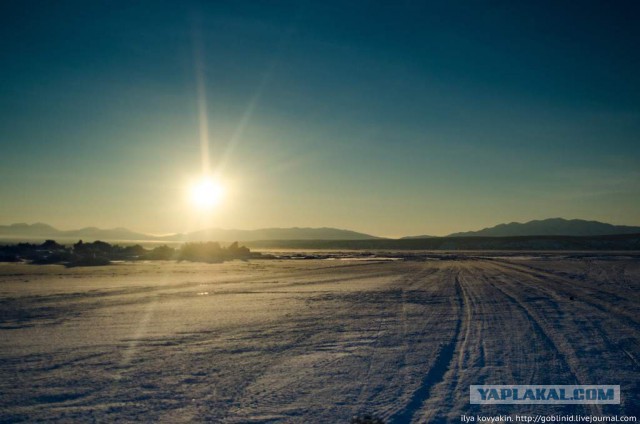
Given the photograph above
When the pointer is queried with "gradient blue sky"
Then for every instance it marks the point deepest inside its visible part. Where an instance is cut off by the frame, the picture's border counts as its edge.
(391, 118)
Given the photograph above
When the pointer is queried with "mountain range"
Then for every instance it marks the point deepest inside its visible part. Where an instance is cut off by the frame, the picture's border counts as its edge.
(42, 231)
(547, 227)
(551, 227)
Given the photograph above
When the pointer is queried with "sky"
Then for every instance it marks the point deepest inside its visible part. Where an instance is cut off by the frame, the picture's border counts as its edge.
(390, 118)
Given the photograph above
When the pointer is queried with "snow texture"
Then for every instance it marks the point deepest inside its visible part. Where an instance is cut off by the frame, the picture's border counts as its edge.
(313, 341)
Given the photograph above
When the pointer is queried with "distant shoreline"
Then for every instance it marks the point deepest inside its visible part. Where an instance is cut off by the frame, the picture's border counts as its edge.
(621, 242)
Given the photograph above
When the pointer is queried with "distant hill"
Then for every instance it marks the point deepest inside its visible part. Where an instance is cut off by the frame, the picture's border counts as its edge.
(40, 230)
(551, 227)
(94, 233)
(28, 230)
(44, 231)
(556, 227)
(271, 234)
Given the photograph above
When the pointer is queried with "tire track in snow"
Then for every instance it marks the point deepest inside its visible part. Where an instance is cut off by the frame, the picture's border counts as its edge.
(437, 372)
(598, 297)
(467, 323)
(584, 332)
(565, 289)
(451, 392)
(448, 397)
(543, 335)
(564, 354)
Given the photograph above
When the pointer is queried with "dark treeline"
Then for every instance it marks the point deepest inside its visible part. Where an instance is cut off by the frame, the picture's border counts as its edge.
(102, 253)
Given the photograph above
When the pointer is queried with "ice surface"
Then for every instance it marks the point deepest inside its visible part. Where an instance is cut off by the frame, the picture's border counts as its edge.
(312, 340)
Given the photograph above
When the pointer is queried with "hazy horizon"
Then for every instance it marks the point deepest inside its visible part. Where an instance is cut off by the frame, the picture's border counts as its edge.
(301, 227)
(420, 119)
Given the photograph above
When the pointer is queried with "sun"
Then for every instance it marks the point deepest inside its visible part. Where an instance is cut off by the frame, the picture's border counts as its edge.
(206, 194)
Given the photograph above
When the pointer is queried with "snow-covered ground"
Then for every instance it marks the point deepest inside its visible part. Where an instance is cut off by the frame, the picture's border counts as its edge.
(313, 341)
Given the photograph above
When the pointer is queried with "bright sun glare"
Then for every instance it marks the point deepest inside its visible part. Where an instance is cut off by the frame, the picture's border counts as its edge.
(206, 193)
